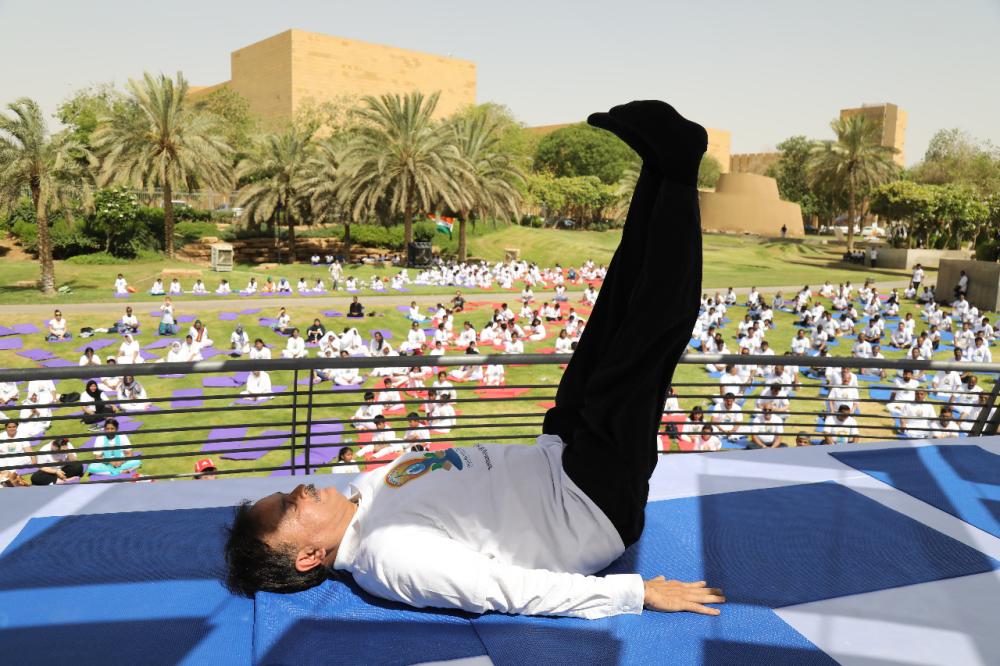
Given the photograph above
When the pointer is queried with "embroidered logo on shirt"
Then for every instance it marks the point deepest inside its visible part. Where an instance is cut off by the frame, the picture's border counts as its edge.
(408, 470)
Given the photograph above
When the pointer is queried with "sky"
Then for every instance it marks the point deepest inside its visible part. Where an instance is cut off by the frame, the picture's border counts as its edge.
(764, 70)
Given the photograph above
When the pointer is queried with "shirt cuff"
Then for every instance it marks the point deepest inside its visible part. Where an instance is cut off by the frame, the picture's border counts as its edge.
(628, 592)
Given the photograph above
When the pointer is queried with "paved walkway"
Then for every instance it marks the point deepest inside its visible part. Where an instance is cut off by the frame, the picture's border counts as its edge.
(372, 302)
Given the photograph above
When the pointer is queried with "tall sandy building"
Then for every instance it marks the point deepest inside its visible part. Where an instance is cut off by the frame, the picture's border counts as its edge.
(891, 119)
(279, 74)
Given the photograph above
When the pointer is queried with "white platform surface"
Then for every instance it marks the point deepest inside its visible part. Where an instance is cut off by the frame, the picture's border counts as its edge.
(947, 622)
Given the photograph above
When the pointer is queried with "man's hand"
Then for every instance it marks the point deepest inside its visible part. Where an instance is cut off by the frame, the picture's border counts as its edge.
(673, 595)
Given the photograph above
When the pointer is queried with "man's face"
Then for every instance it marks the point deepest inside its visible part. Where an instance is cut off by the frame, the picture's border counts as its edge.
(304, 518)
(11, 429)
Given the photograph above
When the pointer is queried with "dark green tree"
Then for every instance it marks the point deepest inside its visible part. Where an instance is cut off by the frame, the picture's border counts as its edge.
(708, 172)
(582, 150)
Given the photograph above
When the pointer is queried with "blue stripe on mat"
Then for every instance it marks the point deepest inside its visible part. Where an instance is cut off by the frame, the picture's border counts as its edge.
(122, 588)
(963, 480)
(766, 548)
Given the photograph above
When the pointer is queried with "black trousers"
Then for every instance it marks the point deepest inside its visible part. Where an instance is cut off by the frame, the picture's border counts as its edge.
(70, 469)
(610, 400)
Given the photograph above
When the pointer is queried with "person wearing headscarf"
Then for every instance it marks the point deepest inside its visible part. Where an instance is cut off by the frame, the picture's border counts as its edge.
(199, 334)
(128, 352)
(352, 343)
(95, 410)
(175, 354)
(239, 341)
(315, 332)
(129, 391)
(330, 342)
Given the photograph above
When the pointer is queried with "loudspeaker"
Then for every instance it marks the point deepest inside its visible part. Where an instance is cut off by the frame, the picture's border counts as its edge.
(419, 254)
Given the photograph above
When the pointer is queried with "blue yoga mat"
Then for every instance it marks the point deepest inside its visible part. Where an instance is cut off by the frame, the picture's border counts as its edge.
(767, 549)
(122, 588)
(963, 480)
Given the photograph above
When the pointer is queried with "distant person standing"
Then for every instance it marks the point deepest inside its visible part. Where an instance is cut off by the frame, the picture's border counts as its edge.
(917, 277)
(962, 288)
(784, 230)
(873, 256)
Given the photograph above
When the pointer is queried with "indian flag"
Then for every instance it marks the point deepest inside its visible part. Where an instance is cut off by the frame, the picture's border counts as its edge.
(445, 225)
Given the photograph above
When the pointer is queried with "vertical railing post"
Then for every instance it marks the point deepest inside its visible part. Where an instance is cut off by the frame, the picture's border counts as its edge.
(984, 411)
(295, 414)
(309, 418)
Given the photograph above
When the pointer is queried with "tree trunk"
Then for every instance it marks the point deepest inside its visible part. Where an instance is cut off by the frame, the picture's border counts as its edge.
(168, 219)
(290, 221)
(462, 221)
(852, 213)
(407, 226)
(48, 281)
(347, 241)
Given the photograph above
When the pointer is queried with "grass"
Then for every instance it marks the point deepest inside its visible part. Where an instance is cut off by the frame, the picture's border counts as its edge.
(728, 261)
(271, 414)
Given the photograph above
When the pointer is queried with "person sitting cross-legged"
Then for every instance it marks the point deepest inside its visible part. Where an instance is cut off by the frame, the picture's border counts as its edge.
(111, 447)
(57, 463)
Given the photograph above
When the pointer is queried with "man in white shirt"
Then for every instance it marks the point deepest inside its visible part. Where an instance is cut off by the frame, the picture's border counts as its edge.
(903, 393)
(917, 417)
(260, 351)
(417, 436)
(766, 430)
(840, 428)
(464, 545)
(727, 418)
(295, 347)
(258, 386)
(944, 426)
(383, 441)
(364, 416)
(56, 463)
(22, 449)
(129, 323)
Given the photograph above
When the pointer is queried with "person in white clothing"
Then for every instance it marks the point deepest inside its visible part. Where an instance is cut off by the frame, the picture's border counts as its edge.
(239, 341)
(88, 358)
(840, 428)
(382, 445)
(175, 354)
(903, 393)
(13, 430)
(129, 352)
(980, 352)
(442, 415)
(121, 285)
(520, 529)
(175, 287)
(8, 392)
(129, 323)
(58, 328)
(766, 430)
(199, 288)
(258, 386)
(944, 426)
(417, 436)
(364, 417)
(346, 376)
(157, 288)
(345, 462)
(132, 395)
(223, 289)
(494, 375)
(190, 351)
(34, 408)
(260, 351)
(296, 346)
(917, 417)
(727, 418)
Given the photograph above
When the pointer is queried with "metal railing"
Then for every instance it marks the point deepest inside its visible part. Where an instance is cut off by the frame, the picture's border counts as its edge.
(305, 422)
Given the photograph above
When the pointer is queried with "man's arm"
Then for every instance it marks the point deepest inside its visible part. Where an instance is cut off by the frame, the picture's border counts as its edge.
(437, 571)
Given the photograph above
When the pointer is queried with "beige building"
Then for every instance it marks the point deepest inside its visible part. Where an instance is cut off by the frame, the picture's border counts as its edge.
(757, 163)
(891, 119)
(748, 203)
(280, 74)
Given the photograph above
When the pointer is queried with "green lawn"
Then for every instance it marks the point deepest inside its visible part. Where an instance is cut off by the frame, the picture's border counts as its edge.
(729, 260)
(270, 417)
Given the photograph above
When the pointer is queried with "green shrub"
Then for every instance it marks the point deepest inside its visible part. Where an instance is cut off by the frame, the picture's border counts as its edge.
(536, 222)
(424, 231)
(96, 259)
(67, 240)
(190, 231)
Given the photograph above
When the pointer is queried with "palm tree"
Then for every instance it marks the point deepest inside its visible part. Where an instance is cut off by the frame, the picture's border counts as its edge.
(489, 174)
(400, 158)
(273, 174)
(52, 168)
(321, 181)
(159, 140)
(856, 162)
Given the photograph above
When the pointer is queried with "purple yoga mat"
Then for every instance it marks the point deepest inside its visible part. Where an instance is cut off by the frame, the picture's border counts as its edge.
(187, 393)
(25, 329)
(185, 319)
(405, 309)
(96, 344)
(386, 333)
(249, 311)
(318, 456)
(58, 363)
(127, 424)
(240, 378)
(400, 288)
(262, 443)
(155, 313)
(11, 343)
(251, 401)
(4, 331)
(222, 433)
(209, 352)
(228, 316)
(348, 387)
(117, 295)
(171, 376)
(147, 355)
(36, 354)
(332, 313)
(218, 382)
(162, 343)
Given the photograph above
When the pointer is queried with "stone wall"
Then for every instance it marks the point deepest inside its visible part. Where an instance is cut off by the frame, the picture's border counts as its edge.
(263, 250)
(984, 282)
(749, 203)
(890, 257)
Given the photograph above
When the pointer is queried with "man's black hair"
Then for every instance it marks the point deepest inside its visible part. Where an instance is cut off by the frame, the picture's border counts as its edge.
(254, 566)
